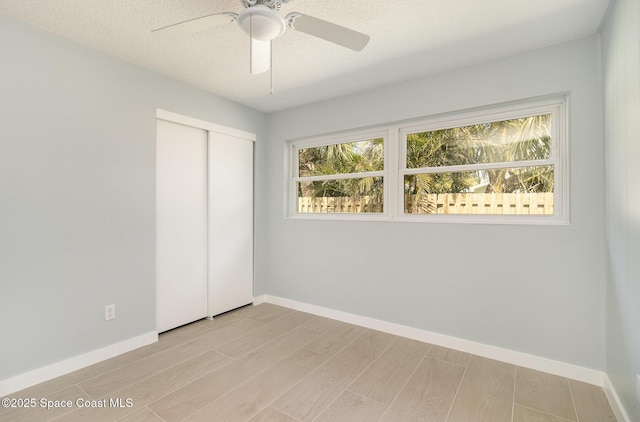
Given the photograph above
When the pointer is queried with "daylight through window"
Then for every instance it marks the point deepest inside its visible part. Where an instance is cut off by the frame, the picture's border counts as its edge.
(346, 177)
(498, 167)
(504, 164)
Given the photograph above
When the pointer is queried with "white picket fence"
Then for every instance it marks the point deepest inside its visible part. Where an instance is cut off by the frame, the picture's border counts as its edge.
(338, 204)
(482, 203)
(448, 203)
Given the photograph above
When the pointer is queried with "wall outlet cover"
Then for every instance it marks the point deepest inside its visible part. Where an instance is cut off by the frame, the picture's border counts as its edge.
(109, 312)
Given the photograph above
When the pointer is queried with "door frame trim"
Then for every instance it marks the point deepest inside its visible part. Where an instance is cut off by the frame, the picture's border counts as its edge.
(170, 116)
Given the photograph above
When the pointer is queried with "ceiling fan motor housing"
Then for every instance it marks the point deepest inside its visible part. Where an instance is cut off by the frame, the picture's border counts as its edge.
(261, 22)
(272, 4)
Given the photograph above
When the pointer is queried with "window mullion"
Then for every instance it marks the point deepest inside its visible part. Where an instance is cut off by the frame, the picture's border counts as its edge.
(476, 167)
(340, 176)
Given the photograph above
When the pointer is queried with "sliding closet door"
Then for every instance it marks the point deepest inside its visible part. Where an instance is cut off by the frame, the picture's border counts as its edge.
(230, 223)
(181, 224)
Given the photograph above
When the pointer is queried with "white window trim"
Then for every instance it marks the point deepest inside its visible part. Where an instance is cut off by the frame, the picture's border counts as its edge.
(293, 178)
(394, 135)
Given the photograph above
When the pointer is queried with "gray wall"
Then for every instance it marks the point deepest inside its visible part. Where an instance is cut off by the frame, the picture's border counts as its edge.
(621, 59)
(533, 289)
(77, 193)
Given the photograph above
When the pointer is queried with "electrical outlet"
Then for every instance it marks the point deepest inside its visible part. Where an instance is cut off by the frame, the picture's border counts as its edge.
(638, 387)
(109, 312)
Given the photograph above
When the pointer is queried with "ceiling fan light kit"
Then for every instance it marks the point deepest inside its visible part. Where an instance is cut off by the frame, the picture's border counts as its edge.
(262, 21)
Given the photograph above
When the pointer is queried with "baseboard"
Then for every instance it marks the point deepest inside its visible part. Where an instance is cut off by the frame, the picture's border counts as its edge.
(563, 369)
(614, 401)
(31, 378)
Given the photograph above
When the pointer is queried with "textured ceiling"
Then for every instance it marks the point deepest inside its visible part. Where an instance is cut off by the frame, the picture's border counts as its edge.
(409, 38)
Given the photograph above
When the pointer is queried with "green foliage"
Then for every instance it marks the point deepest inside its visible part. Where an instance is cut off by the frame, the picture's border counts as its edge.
(507, 141)
(436, 149)
(524, 139)
(346, 158)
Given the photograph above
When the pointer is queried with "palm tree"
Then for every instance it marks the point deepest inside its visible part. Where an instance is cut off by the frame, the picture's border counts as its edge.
(345, 158)
(523, 139)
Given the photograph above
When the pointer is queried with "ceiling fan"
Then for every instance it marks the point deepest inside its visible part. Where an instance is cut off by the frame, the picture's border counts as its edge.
(262, 22)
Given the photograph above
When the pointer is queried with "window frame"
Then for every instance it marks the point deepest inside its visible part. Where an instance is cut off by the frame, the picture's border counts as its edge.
(555, 106)
(346, 137)
(395, 150)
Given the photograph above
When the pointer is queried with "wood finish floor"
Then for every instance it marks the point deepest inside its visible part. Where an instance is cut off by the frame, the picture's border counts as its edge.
(268, 363)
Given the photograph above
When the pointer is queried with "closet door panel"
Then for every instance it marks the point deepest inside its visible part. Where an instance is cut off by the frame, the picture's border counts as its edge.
(181, 224)
(230, 223)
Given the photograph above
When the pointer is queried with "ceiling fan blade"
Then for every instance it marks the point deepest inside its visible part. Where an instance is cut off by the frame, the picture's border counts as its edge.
(260, 56)
(197, 24)
(328, 31)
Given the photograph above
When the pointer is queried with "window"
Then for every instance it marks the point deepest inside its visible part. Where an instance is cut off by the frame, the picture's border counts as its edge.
(493, 168)
(342, 177)
(504, 164)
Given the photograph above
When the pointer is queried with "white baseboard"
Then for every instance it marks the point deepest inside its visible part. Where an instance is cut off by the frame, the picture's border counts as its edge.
(28, 379)
(614, 401)
(563, 369)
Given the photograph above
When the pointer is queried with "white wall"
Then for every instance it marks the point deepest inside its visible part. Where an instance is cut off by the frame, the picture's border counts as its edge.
(77, 193)
(621, 59)
(531, 289)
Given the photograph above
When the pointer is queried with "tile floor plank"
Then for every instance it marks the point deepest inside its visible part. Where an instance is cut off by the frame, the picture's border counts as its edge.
(270, 314)
(192, 397)
(219, 336)
(591, 403)
(313, 394)
(544, 392)
(428, 394)
(255, 339)
(117, 379)
(335, 339)
(227, 318)
(486, 392)
(526, 414)
(352, 407)
(455, 356)
(156, 386)
(319, 323)
(142, 415)
(386, 376)
(271, 414)
(109, 382)
(246, 400)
